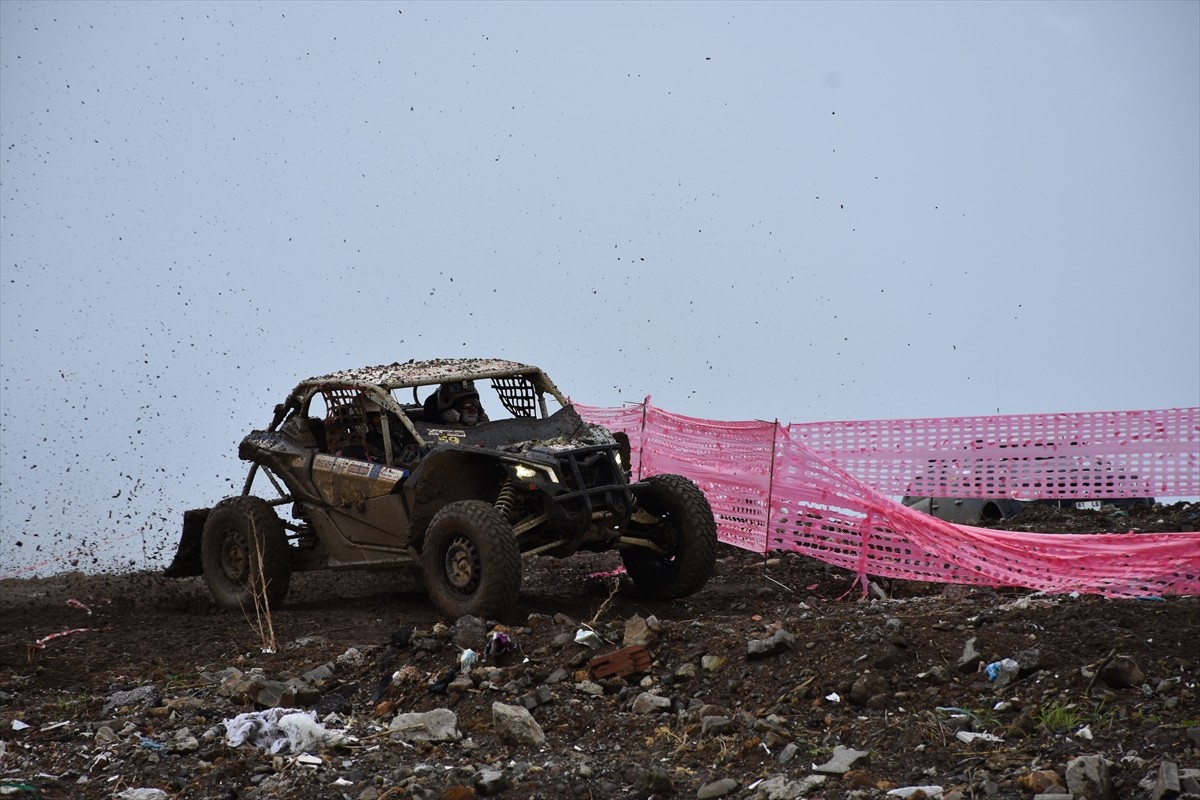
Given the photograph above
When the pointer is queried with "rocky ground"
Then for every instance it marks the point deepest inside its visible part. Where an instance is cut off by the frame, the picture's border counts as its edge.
(779, 680)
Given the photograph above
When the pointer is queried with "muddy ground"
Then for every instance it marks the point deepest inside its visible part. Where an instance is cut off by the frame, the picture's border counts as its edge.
(749, 688)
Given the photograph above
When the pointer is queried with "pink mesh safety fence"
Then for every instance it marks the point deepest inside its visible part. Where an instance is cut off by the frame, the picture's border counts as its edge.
(770, 491)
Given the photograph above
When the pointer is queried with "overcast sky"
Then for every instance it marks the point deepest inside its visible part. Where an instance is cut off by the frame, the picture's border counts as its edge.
(793, 211)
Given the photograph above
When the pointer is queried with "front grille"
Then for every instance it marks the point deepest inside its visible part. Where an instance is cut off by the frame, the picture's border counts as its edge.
(594, 482)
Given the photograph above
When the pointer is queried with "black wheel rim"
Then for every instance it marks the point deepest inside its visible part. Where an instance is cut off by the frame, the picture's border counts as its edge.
(235, 556)
(462, 566)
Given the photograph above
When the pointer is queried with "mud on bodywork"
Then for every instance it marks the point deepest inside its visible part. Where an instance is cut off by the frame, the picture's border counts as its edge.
(373, 480)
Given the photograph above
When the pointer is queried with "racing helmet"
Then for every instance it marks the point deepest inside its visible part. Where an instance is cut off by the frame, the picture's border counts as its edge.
(449, 393)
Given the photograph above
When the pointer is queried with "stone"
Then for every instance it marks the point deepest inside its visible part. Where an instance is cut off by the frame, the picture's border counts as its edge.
(273, 694)
(971, 658)
(514, 725)
(142, 794)
(868, 686)
(353, 657)
(775, 644)
(1040, 780)
(539, 696)
(318, 675)
(712, 663)
(717, 726)
(638, 633)
(1122, 672)
(1028, 660)
(1193, 734)
(105, 736)
(1167, 783)
(915, 792)
(138, 700)
(841, 762)
(1088, 776)
(717, 788)
(183, 742)
(935, 675)
(658, 781)
(489, 782)
(438, 725)
(460, 685)
(648, 703)
(469, 632)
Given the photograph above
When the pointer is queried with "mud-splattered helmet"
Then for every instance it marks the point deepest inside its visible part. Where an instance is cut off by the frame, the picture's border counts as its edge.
(450, 393)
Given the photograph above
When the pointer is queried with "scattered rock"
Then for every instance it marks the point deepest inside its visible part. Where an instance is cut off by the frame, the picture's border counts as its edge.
(438, 725)
(718, 788)
(1088, 776)
(971, 658)
(1122, 672)
(775, 644)
(516, 726)
(842, 760)
(133, 701)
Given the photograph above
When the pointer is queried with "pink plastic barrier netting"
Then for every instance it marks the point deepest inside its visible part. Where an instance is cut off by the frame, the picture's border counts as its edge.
(1029, 456)
(769, 491)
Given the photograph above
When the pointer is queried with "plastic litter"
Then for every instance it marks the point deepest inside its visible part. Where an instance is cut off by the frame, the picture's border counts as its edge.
(468, 659)
(150, 744)
(498, 644)
(1006, 668)
(41, 643)
(282, 730)
(73, 603)
(587, 638)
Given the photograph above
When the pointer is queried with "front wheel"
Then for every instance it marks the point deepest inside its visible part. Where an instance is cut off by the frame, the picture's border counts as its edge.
(685, 531)
(471, 561)
(245, 554)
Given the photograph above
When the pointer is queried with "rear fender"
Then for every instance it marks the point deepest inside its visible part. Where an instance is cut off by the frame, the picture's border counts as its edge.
(187, 556)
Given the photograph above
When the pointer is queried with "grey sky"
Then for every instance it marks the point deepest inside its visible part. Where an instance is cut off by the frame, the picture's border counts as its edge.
(799, 211)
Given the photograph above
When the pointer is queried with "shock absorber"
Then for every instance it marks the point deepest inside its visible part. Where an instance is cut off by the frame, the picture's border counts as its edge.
(505, 502)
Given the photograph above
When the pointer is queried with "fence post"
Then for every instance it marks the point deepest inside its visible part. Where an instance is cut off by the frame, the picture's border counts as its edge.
(642, 438)
(771, 487)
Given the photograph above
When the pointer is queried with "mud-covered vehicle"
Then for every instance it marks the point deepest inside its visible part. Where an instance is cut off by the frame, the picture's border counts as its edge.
(382, 468)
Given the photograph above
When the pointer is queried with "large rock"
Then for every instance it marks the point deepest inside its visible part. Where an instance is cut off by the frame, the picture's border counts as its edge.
(136, 701)
(439, 725)
(515, 725)
(1087, 776)
(469, 632)
(775, 644)
(638, 632)
(648, 703)
(841, 761)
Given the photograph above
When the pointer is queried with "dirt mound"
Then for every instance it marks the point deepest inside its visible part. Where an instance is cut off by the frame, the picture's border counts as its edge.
(778, 680)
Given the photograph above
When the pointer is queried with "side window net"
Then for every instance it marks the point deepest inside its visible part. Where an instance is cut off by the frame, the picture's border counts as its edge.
(517, 395)
(345, 424)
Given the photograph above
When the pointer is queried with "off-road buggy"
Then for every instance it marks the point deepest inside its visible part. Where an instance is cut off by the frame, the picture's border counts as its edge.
(376, 478)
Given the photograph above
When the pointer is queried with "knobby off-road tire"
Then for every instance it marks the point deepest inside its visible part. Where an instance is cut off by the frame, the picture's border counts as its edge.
(240, 534)
(471, 561)
(687, 532)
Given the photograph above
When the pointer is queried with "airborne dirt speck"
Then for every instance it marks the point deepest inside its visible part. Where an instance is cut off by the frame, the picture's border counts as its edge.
(754, 685)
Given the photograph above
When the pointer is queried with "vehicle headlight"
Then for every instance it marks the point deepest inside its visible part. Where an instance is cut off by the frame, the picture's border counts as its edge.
(527, 473)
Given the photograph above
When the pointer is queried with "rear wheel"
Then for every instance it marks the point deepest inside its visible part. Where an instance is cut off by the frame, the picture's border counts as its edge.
(685, 531)
(245, 553)
(471, 561)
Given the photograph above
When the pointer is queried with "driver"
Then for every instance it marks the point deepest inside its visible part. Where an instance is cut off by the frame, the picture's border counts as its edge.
(373, 439)
(458, 402)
